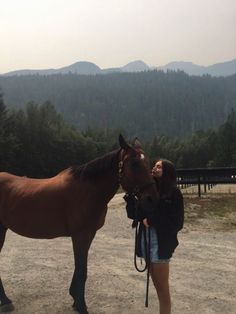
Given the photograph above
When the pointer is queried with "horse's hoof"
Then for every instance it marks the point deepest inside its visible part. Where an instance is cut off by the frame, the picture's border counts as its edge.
(7, 307)
(80, 311)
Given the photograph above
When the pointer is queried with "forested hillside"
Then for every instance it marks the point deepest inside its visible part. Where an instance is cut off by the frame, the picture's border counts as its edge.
(37, 142)
(146, 104)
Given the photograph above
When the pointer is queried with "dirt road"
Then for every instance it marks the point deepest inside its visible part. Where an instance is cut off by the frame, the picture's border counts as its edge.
(37, 273)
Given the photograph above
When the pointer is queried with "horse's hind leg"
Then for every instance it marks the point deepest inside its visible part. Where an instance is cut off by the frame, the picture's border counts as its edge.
(5, 303)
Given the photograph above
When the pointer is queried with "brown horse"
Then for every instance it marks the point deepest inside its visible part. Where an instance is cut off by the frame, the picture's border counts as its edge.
(73, 204)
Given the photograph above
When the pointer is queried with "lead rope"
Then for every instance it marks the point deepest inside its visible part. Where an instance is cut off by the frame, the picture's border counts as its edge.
(147, 262)
(140, 227)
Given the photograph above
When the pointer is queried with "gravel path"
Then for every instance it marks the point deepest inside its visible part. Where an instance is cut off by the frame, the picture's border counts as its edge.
(37, 273)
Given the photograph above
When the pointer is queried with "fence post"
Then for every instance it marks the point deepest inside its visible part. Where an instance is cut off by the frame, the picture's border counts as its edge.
(204, 180)
(199, 186)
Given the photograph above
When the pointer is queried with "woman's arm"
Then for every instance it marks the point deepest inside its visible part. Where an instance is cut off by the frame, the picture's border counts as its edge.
(169, 217)
(172, 220)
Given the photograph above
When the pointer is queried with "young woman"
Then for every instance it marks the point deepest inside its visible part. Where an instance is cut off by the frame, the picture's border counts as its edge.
(164, 224)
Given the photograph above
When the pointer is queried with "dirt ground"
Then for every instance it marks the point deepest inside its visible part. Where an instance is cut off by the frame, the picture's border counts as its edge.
(37, 273)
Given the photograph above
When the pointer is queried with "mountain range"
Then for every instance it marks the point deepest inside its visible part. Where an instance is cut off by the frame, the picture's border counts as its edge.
(88, 68)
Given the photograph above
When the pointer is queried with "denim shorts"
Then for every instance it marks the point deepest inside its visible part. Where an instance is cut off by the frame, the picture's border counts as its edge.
(154, 258)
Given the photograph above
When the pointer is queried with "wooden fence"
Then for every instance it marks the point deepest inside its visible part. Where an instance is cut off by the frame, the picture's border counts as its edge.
(206, 177)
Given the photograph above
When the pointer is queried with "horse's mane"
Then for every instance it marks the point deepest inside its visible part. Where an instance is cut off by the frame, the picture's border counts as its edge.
(96, 167)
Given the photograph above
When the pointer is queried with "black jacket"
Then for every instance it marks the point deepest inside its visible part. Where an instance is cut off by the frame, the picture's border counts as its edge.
(167, 219)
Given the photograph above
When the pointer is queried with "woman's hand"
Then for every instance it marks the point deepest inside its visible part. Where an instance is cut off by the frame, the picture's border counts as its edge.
(145, 222)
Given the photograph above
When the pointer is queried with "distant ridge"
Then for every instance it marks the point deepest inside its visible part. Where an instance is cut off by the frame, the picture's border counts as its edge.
(89, 68)
(81, 67)
(136, 66)
(218, 69)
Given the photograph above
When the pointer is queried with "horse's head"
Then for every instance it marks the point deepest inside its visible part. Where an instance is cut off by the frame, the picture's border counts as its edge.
(135, 174)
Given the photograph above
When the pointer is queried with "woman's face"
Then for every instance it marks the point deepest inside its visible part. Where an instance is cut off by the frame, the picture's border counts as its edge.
(157, 169)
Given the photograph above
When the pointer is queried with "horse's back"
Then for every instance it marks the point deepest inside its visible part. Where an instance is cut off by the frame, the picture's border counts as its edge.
(5, 182)
(6, 176)
(33, 207)
(47, 208)
(24, 185)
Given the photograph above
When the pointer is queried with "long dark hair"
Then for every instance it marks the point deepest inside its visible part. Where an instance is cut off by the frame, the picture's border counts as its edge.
(168, 180)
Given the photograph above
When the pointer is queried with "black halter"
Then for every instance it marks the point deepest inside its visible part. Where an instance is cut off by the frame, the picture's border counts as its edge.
(136, 189)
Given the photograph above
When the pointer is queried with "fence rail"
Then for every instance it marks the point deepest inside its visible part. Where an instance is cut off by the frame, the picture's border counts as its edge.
(206, 177)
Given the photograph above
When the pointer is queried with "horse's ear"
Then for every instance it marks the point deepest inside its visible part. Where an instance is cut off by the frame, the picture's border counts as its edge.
(123, 143)
(136, 143)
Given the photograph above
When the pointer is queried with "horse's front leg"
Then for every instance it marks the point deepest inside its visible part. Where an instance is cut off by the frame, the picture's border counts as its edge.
(81, 244)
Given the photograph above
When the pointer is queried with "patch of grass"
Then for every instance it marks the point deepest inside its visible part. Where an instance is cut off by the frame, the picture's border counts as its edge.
(215, 205)
(219, 210)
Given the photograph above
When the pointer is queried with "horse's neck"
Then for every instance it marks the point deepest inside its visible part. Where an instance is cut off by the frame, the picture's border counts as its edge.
(108, 185)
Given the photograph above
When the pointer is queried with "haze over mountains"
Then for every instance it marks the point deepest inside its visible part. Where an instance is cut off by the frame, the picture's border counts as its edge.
(143, 104)
(89, 68)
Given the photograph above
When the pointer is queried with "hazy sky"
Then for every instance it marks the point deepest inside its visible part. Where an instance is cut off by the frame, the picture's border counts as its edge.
(37, 34)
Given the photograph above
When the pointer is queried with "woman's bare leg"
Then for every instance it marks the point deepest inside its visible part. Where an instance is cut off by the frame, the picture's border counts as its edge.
(160, 278)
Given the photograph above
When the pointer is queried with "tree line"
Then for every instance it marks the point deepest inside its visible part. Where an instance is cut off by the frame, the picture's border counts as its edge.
(204, 148)
(37, 142)
(144, 104)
